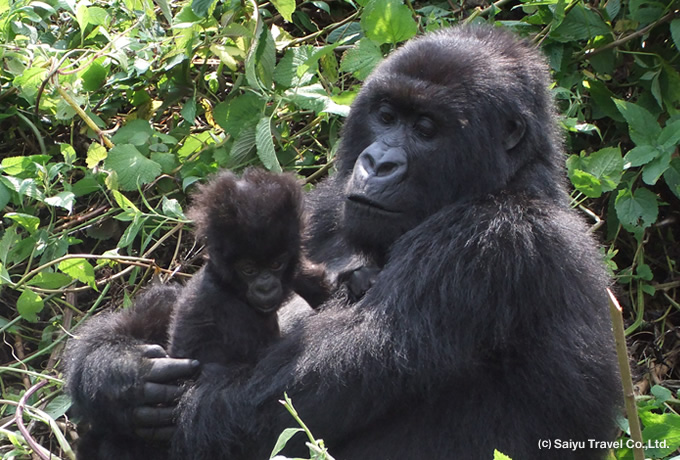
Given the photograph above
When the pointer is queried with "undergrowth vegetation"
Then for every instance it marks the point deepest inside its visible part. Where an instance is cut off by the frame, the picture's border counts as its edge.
(111, 110)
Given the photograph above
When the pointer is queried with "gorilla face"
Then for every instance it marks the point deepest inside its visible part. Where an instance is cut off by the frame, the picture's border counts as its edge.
(431, 128)
(386, 190)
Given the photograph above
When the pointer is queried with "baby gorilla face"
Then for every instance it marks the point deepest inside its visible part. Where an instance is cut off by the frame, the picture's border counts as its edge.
(264, 288)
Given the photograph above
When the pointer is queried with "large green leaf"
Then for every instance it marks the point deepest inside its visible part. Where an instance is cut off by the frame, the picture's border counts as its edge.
(642, 125)
(133, 168)
(580, 24)
(361, 59)
(79, 269)
(235, 115)
(29, 304)
(636, 210)
(286, 8)
(388, 21)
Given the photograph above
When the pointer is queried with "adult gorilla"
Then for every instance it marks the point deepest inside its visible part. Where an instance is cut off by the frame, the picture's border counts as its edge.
(487, 326)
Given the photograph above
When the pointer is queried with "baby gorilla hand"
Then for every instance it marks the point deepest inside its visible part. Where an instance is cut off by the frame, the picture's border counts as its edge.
(163, 386)
(359, 281)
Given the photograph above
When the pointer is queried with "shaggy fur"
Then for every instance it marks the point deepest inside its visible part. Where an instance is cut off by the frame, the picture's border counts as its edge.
(487, 326)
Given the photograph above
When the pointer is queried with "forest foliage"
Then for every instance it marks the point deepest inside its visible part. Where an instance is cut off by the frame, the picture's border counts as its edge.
(111, 110)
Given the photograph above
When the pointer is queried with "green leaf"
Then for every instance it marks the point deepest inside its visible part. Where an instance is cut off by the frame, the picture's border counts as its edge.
(25, 187)
(5, 196)
(586, 183)
(64, 200)
(189, 111)
(30, 223)
(636, 210)
(201, 7)
(500, 456)
(607, 166)
(85, 186)
(655, 168)
(165, 9)
(675, 33)
(58, 406)
(243, 145)
(314, 97)
(15, 166)
(133, 168)
(287, 71)
(94, 77)
(580, 24)
(672, 176)
(168, 161)
(361, 59)
(135, 132)
(131, 232)
(388, 21)
(670, 136)
(661, 427)
(265, 145)
(47, 280)
(69, 153)
(95, 153)
(29, 304)
(7, 242)
(642, 125)
(29, 82)
(124, 203)
(284, 437)
(640, 155)
(79, 269)
(172, 208)
(233, 116)
(285, 8)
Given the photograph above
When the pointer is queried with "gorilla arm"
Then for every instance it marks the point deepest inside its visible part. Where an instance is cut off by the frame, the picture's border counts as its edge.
(473, 305)
(118, 372)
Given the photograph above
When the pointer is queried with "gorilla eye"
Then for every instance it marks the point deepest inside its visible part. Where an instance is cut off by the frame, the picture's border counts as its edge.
(426, 128)
(387, 116)
(247, 269)
(277, 265)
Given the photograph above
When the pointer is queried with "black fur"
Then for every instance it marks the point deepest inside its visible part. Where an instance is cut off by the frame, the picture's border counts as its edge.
(487, 326)
(256, 217)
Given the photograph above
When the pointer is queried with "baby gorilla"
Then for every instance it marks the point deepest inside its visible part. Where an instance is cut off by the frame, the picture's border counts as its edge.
(227, 312)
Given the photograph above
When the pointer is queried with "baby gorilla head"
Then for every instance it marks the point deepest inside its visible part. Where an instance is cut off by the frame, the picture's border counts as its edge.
(251, 227)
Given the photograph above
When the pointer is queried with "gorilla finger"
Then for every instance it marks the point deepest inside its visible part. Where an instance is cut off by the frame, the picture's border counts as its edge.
(152, 417)
(170, 369)
(156, 434)
(156, 393)
(153, 351)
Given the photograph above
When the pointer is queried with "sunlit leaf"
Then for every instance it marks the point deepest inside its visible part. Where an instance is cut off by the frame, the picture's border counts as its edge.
(29, 304)
(133, 168)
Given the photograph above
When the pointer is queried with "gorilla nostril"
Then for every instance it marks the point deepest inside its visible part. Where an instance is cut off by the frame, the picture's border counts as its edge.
(386, 169)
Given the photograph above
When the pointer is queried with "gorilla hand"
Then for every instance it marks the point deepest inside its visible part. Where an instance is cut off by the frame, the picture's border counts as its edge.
(359, 280)
(162, 377)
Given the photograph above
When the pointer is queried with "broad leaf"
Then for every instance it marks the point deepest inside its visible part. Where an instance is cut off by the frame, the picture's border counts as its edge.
(133, 168)
(29, 304)
(636, 210)
(388, 21)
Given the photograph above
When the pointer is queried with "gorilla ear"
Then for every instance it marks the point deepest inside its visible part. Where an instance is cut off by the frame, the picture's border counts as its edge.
(515, 133)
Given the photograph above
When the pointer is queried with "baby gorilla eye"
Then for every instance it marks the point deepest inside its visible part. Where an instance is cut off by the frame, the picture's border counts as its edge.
(247, 269)
(277, 265)
(425, 128)
(387, 115)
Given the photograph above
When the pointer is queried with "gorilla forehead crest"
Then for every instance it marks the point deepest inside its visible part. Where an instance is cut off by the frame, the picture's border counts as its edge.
(474, 61)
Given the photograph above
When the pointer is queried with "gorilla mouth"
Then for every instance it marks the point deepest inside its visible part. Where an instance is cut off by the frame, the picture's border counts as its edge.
(364, 201)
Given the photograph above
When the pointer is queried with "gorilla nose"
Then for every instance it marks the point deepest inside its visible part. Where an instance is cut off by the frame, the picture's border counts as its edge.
(386, 164)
